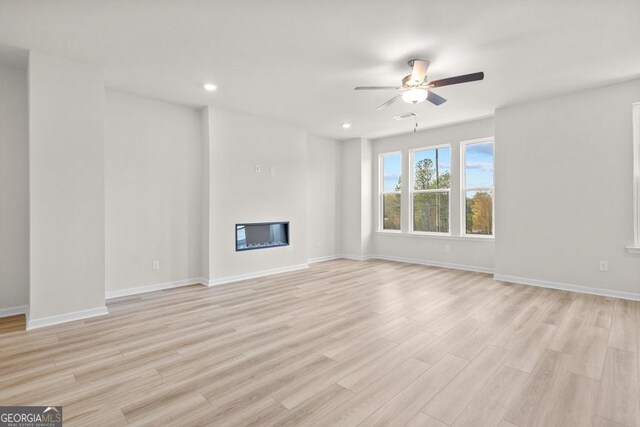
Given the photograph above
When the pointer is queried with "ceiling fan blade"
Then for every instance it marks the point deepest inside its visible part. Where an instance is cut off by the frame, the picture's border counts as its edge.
(435, 99)
(457, 79)
(419, 71)
(378, 88)
(389, 102)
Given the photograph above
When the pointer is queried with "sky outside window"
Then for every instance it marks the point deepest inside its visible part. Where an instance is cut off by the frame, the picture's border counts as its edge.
(391, 167)
(479, 165)
(478, 171)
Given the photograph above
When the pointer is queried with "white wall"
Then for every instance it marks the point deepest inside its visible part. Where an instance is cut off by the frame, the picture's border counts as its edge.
(564, 189)
(366, 204)
(66, 179)
(324, 197)
(153, 155)
(472, 253)
(351, 198)
(237, 143)
(356, 198)
(14, 188)
(205, 199)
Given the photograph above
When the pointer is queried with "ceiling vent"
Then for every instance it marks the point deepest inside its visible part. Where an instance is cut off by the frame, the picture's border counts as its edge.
(404, 116)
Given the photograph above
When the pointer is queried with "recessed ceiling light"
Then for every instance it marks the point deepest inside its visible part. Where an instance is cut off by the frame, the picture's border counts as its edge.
(346, 125)
(210, 87)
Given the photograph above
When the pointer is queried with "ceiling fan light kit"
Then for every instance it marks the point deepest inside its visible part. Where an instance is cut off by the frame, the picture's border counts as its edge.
(416, 88)
(415, 95)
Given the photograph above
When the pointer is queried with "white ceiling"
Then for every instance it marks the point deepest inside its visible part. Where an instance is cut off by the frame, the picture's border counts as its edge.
(298, 60)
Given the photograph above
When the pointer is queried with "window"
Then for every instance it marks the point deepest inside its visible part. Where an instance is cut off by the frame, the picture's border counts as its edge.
(390, 191)
(477, 187)
(430, 187)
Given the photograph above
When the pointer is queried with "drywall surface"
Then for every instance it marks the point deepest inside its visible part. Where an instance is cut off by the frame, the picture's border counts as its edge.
(356, 198)
(66, 185)
(324, 197)
(154, 165)
(240, 194)
(564, 181)
(14, 188)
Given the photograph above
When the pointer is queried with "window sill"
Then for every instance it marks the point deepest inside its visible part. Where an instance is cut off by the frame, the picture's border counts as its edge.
(633, 249)
(435, 236)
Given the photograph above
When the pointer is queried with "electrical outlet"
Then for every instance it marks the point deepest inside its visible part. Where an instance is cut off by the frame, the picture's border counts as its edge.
(272, 171)
(257, 168)
(603, 265)
(155, 265)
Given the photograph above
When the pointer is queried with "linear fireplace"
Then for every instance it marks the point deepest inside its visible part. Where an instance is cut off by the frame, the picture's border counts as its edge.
(261, 235)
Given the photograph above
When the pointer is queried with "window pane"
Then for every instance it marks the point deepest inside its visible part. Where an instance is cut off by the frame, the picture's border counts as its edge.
(479, 212)
(391, 211)
(391, 170)
(479, 165)
(432, 169)
(431, 212)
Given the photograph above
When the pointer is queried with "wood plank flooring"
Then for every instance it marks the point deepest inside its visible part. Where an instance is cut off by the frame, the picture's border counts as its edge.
(344, 343)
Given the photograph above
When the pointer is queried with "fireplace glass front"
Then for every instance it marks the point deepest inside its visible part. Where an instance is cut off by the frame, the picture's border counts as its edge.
(261, 235)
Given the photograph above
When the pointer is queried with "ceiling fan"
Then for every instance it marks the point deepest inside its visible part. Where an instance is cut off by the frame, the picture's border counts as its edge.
(415, 87)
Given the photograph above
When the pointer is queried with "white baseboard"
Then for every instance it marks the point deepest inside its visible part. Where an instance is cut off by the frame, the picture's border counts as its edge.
(356, 257)
(154, 287)
(67, 317)
(255, 275)
(568, 287)
(324, 258)
(514, 279)
(12, 311)
(406, 260)
(431, 263)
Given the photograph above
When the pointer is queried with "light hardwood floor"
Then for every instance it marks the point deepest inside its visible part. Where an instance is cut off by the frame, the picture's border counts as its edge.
(343, 343)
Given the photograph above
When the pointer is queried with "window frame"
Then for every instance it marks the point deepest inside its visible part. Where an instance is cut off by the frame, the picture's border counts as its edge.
(381, 191)
(412, 190)
(464, 189)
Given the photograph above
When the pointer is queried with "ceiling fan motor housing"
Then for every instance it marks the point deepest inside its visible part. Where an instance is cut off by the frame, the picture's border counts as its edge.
(407, 83)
